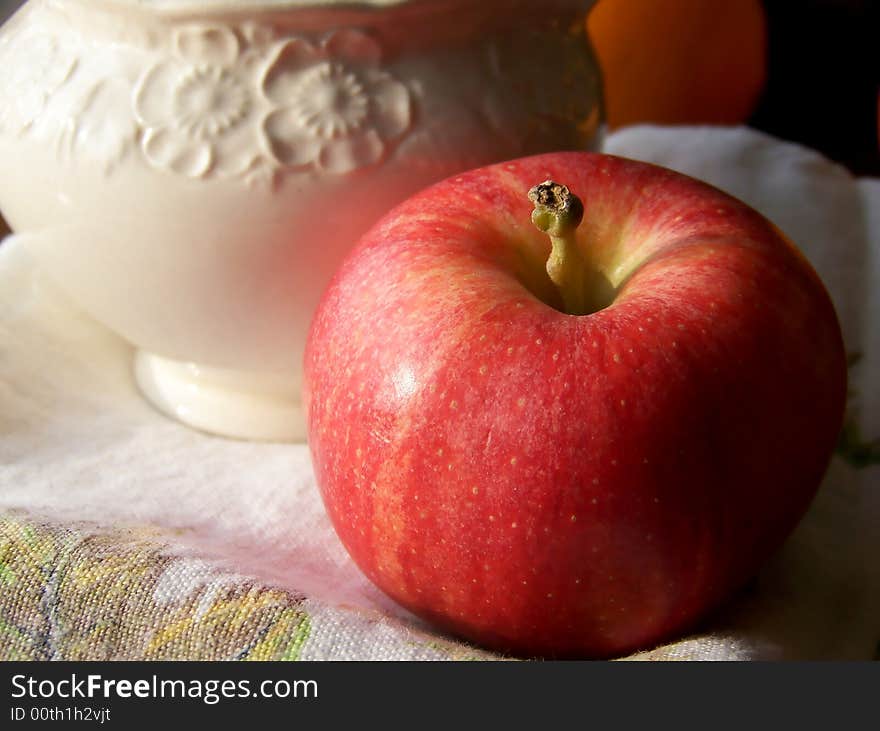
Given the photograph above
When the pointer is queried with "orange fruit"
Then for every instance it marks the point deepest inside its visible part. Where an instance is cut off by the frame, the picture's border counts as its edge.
(680, 61)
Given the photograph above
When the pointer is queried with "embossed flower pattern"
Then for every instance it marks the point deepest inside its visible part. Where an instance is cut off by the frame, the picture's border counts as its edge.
(221, 102)
(102, 126)
(336, 109)
(28, 87)
(198, 108)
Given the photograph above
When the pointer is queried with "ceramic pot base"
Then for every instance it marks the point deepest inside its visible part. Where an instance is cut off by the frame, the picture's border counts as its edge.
(254, 406)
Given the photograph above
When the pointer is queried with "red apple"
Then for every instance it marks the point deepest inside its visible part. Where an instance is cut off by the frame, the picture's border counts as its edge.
(560, 484)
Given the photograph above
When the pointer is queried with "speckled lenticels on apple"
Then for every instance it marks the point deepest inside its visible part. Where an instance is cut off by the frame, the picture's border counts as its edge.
(578, 440)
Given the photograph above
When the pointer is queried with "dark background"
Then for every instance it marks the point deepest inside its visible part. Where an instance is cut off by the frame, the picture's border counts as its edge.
(822, 78)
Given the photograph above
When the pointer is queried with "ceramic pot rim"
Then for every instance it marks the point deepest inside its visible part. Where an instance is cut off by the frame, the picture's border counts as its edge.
(171, 6)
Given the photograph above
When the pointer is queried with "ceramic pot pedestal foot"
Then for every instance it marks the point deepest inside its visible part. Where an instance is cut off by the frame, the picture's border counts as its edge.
(264, 407)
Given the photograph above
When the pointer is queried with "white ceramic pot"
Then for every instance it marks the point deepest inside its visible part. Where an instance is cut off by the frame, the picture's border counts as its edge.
(191, 172)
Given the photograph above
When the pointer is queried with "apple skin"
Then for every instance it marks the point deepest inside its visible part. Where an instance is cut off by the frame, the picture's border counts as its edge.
(571, 486)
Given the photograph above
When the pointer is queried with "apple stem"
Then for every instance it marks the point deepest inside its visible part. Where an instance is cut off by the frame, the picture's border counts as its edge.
(558, 212)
